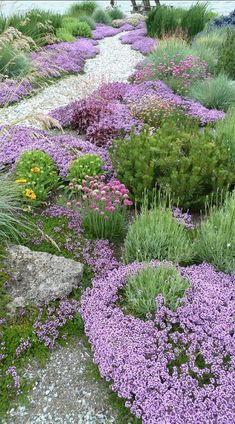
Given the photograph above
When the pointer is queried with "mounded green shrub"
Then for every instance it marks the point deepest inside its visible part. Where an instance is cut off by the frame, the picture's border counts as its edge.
(88, 20)
(215, 93)
(101, 17)
(179, 159)
(141, 290)
(216, 237)
(64, 35)
(155, 234)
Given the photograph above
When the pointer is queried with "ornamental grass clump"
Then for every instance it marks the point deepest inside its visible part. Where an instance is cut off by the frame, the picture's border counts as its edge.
(14, 63)
(103, 207)
(37, 176)
(216, 236)
(10, 220)
(215, 93)
(141, 290)
(85, 7)
(156, 234)
(225, 133)
(116, 13)
(85, 165)
(226, 62)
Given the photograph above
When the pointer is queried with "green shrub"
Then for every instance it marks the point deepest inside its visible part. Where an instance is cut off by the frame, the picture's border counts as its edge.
(88, 20)
(195, 19)
(85, 7)
(141, 290)
(89, 164)
(101, 17)
(116, 13)
(84, 30)
(9, 211)
(37, 175)
(155, 234)
(216, 93)
(226, 63)
(179, 159)
(64, 35)
(225, 133)
(216, 237)
(13, 63)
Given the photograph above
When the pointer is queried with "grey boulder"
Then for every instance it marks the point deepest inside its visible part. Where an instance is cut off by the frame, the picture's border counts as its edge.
(37, 277)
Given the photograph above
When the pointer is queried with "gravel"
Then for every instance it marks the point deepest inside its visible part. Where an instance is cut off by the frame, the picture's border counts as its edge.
(64, 392)
(115, 62)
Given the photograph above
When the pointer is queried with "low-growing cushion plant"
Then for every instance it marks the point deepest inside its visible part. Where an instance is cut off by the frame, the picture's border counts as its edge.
(156, 234)
(141, 290)
(216, 237)
(37, 175)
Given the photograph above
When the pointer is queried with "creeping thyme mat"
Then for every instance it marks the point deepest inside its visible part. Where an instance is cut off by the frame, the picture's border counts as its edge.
(174, 367)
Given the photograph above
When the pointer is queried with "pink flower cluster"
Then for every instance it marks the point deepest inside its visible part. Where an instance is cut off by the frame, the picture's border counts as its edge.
(185, 71)
(103, 197)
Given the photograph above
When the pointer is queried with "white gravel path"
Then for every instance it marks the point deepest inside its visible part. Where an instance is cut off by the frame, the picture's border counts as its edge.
(115, 62)
(64, 392)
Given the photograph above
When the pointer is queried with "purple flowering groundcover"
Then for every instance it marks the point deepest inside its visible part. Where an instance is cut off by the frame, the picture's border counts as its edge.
(177, 368)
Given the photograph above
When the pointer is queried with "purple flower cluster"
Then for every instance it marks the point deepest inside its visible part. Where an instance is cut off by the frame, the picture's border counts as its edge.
(177, 368)
(48, 331)
(105, 113)
(139, 40)
(100, 121)
(101, 31)
(55, 59)
(63, 149)
(12, 91)
(12, 371)
(24, 345)
(183, 218)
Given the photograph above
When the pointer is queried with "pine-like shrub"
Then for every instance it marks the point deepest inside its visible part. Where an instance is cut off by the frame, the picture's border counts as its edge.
(226, 63)
(88, 20)
(13, 63)
(116, 13)
(101, 17)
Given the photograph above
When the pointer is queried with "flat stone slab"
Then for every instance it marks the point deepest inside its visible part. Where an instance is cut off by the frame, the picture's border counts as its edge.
(37, 277)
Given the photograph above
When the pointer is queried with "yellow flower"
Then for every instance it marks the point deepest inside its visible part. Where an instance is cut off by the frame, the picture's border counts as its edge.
(35, 169)
(30, 194)
(21, 181)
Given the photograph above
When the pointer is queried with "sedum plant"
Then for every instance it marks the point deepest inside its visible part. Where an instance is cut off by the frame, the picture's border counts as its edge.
(37, 175)
(141, 290)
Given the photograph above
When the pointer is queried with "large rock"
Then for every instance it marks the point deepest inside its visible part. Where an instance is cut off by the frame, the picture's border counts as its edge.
(37, 277)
